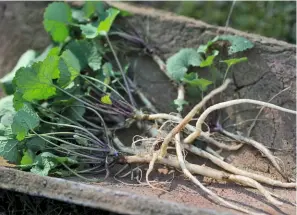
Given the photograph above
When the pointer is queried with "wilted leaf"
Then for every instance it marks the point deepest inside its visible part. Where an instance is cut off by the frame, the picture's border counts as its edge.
(4, 162)
(163, 171)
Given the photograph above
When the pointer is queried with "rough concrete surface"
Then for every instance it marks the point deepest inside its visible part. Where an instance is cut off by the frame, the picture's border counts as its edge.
(270, 69)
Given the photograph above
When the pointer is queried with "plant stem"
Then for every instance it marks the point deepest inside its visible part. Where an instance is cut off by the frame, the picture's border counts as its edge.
(100, 82)
(122, 72)
(75, 127)
(67, 150)
(104, 125)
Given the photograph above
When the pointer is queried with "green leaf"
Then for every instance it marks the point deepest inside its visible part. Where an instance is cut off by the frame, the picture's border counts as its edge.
(92, 7)
(87, 53)
(89, 31)
(5, 131)
(89, 8)
(9, 149)
(35, 144)
(102, 27)
(75, 110)
(190, 76)
(35, 82)
(18, 100)
(105, 25)
(178, 64)
(78, 15)
(44, 164)
(55, 51)
(27, 158)
(180, 103)
(74, 89)
(25, 60)
(199, 82)
(57, 17)
(49, 68)
(233, 61)
(6, 105)
(46, 161)
(204, 48)
(7, 119)
(24, 120)
(238, 43)
(209, 60)
(44, 54)
(69, 68)
(125, 13)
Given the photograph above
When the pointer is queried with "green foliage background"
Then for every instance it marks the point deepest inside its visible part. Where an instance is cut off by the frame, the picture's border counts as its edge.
(275, 19)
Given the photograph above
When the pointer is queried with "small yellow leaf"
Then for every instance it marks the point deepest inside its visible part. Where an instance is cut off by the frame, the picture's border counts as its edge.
(106, 100)
(26, 159)
(5, 163)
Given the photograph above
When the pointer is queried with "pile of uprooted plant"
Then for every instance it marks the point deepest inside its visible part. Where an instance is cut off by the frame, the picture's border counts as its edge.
(64, 106)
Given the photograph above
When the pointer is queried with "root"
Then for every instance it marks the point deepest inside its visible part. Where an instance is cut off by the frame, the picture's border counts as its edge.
(189, 116)
(195, 180)
(260, 147)
(220, 145)
(201, 170)
(257, 145)
(221, 105)
(230, 168)
(262, 108)
(203, 135)
(149, 152)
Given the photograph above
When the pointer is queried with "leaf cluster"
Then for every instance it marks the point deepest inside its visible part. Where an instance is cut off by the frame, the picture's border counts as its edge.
(185, 66)
(62, 103)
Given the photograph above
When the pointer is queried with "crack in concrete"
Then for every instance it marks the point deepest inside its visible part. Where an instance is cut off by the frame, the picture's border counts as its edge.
(238, 88)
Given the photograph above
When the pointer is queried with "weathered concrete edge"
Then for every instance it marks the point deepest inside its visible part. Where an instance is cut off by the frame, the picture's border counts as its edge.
(164, 15)
(91, 195)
